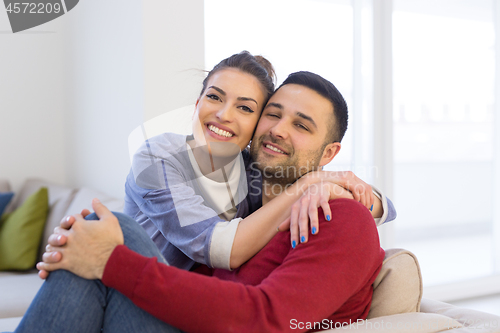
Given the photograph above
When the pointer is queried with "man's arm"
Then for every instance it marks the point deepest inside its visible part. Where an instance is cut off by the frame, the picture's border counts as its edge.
(314, 281)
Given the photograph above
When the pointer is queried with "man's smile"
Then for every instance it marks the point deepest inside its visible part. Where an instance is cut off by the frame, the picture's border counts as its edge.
(272, 148)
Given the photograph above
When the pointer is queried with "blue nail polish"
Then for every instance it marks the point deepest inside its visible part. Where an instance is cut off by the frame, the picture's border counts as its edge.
(302, 239)
(293, 244)
(314, 230)
(328, 218)
(371, 209)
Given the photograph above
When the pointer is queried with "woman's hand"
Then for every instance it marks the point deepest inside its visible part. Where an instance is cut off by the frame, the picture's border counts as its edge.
(305, 210)
(361, 191)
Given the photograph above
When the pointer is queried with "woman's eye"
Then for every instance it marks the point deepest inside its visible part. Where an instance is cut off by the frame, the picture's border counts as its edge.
(246, 109)
(214, 97)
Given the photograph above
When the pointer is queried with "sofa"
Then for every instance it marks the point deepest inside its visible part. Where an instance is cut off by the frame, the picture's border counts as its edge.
(397, 303)
(18, 288)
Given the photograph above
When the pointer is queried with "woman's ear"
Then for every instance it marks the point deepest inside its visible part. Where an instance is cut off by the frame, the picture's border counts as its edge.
(331, 150)
(195, 107)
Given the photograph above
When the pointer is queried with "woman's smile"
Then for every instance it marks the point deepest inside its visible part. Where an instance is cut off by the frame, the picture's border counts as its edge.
(220, 132)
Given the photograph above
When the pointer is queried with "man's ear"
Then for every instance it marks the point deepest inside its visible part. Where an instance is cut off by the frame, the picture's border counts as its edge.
(331, 150)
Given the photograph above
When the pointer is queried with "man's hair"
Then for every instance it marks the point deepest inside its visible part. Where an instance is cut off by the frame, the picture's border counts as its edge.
(338, 123)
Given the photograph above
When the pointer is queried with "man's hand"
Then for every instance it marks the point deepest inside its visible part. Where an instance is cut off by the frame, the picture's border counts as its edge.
(57, 240)
(305, 210)
(85, 248)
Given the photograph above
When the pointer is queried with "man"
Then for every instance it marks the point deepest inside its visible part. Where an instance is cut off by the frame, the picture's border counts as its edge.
(325, 281)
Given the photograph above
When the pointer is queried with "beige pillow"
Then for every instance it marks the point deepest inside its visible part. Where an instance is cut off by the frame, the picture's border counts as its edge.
(398, 287)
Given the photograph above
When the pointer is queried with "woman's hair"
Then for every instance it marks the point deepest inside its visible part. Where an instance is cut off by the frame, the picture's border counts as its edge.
(258, 66)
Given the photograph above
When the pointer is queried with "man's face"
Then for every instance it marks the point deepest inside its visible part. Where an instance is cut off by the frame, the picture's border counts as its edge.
(289, 140)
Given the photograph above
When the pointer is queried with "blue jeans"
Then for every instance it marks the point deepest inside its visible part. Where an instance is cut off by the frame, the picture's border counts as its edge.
(68, 303)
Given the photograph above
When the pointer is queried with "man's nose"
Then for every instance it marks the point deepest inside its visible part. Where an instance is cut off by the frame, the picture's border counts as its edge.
(280, 129)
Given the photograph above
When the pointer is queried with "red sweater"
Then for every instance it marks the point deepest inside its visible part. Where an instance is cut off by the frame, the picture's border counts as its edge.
(280, 289)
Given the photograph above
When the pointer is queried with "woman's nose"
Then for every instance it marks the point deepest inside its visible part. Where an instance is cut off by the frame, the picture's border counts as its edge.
(224, 113)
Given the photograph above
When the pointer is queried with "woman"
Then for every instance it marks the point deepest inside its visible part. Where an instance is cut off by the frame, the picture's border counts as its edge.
(177, 206)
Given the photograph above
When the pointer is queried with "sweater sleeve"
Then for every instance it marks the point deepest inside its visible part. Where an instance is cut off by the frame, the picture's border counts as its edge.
(314, 280)
(387, 206)
(162, 187)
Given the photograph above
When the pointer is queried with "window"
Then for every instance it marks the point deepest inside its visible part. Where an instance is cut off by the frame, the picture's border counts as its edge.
(295, 35)
(443, 65)
(443, 163)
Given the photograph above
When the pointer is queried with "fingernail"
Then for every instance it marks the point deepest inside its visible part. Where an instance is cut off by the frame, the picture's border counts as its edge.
(97, 201)
(302, 239)
(328, 217)
(294, 244)
(59, 238)
(314, 230)
(67, 218)
(371, 209)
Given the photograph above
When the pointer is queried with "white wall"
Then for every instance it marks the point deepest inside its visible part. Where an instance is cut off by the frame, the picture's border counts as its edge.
(105, 91)
(70, 98)
(174, 54)
(32, 117)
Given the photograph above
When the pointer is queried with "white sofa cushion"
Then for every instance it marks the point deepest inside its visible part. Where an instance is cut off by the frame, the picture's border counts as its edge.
(17, 290)
(83, 199)
(472, 320)
(9, 324)
(406, 323)
(30, 186)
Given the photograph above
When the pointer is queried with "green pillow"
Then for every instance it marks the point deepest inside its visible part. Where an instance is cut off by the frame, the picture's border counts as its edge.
(21, 232)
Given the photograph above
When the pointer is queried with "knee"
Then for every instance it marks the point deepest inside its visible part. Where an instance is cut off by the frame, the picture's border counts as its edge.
(59, 274)
(92, 217)
(127, 224)
(122, 218)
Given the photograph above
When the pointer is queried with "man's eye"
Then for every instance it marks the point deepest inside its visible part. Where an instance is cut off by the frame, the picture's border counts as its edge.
(272, 115)
(246, 109)
(302, 127)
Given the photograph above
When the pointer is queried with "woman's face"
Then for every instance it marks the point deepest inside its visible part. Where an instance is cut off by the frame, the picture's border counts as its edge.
(228, 110)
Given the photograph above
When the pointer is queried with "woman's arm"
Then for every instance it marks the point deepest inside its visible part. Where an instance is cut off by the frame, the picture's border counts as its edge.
(255, 231)
(172, 207)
